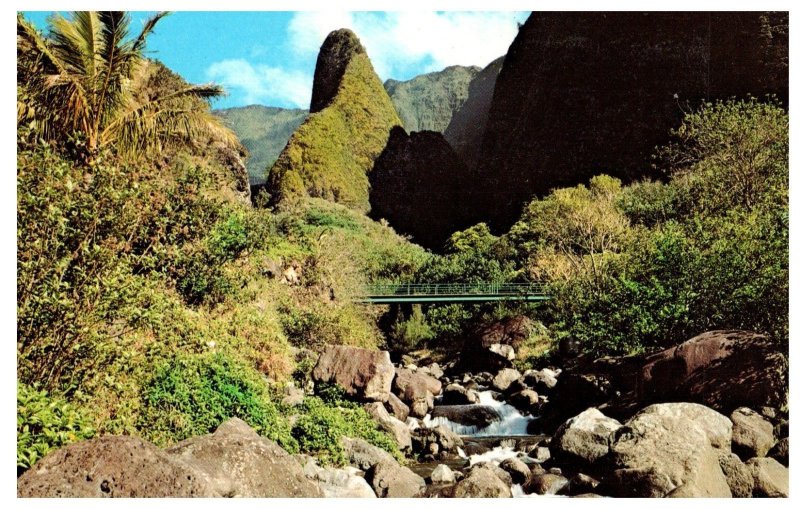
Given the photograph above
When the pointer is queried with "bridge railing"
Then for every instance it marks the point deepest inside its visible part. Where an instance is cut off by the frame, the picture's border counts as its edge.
(433, 289)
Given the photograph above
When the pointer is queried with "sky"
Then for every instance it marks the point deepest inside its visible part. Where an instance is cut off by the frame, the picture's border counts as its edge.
(268, 57)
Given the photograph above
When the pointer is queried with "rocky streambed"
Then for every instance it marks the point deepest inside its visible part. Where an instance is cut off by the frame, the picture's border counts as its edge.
(679, 423)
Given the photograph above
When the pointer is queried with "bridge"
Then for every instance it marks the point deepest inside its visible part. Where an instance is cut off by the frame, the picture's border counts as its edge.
(385, 293)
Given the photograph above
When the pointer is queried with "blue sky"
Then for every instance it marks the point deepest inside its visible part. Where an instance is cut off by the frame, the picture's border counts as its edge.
(268, 57)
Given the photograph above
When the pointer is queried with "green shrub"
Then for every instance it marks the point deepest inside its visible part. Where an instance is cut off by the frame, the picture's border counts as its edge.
(321, 425)
(411, 333)
(193, 395)
(45, 423)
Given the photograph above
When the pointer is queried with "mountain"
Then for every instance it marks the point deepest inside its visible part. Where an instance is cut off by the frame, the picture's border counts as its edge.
(415, 187)
(585, 93)
(264, 131)
(465, 130)
(331, 153)
(428, 101)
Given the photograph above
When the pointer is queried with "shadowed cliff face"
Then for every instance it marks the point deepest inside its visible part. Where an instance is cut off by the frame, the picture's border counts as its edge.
(585, 93)
(417, 185)
(466, 128)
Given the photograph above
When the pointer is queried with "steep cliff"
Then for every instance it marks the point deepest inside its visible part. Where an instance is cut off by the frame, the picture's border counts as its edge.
(331, 153)
(417, 187)
(428, 101)
(584, 93)
(466, 128)
(264, 131)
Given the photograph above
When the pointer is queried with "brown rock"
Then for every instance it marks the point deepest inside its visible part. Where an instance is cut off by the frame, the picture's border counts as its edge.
(397, 407)
(395, 427)
(781, 452)
(737, 474)
(112, 466)
(417, 390)
(770, 478)
(390, 480)
(479, 416)
(720, 369)
(481, 483)
(237, 462)
(519, 471)
(546, 484)
(585, 437)
(752, 434)
(362, 373)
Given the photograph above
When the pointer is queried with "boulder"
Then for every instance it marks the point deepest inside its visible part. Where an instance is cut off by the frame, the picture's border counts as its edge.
(113, 466)
(237, 462)
(504, 379)
(455, 394)
(582, 484)
(546, 484)
(390, 480)
(752, 434)
(724, 370)
(737, 474)
(540, 454)
(417, 390)
(526, 401)
(669, 446)
(770, 478)
(395, 427)
(481, 482)
(519, 471)
(362, 373)
(338, 482)
(542, 380)
(492, 346)
(442, 474)
(363, 455)
(397, 407)
(479, 416)
(780, 451)
(293, 396)
(442, 436)
(585, 437)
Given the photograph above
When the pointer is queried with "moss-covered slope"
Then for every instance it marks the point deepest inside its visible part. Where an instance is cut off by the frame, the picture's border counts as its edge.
(331, 153)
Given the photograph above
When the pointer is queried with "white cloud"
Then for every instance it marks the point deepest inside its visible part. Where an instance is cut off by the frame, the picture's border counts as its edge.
(263, 84)
(399, 43)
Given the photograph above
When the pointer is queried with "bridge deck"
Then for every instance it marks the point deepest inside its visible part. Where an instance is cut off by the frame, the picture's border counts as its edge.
(452, 292)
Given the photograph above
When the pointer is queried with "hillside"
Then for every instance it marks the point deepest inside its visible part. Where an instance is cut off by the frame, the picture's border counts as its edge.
(264, 131)
(331, 153)
(428, 101)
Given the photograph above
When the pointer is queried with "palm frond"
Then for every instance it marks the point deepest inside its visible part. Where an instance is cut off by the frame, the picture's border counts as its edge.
(149, 25)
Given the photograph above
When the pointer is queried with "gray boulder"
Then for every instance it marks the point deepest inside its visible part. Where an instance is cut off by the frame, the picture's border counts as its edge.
(338, 482)
(395, 427)
(542, 380)
(752, 434)
(237, 462)
(585, 437)
(546, 484)
(455, 394)
(526, 401)
(363, 455)
(390, 480)
(481, 482)
(442, 474)
(519, 471)
(416, 390)
(362, 373)
(671, 447)
(770, 478)
(737, 474)
(504, 378)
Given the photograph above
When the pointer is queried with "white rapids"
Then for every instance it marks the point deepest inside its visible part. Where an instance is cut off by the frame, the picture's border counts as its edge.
(511, 422)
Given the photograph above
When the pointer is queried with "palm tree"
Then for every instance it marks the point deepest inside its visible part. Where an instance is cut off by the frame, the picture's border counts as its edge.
(82, 79)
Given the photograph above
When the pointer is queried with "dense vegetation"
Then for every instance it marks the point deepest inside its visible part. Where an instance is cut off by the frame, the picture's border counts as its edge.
(153, 300)
(648, 265)
(331, 153)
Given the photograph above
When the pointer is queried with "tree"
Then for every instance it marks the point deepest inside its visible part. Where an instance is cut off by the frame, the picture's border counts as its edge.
(81, 80)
